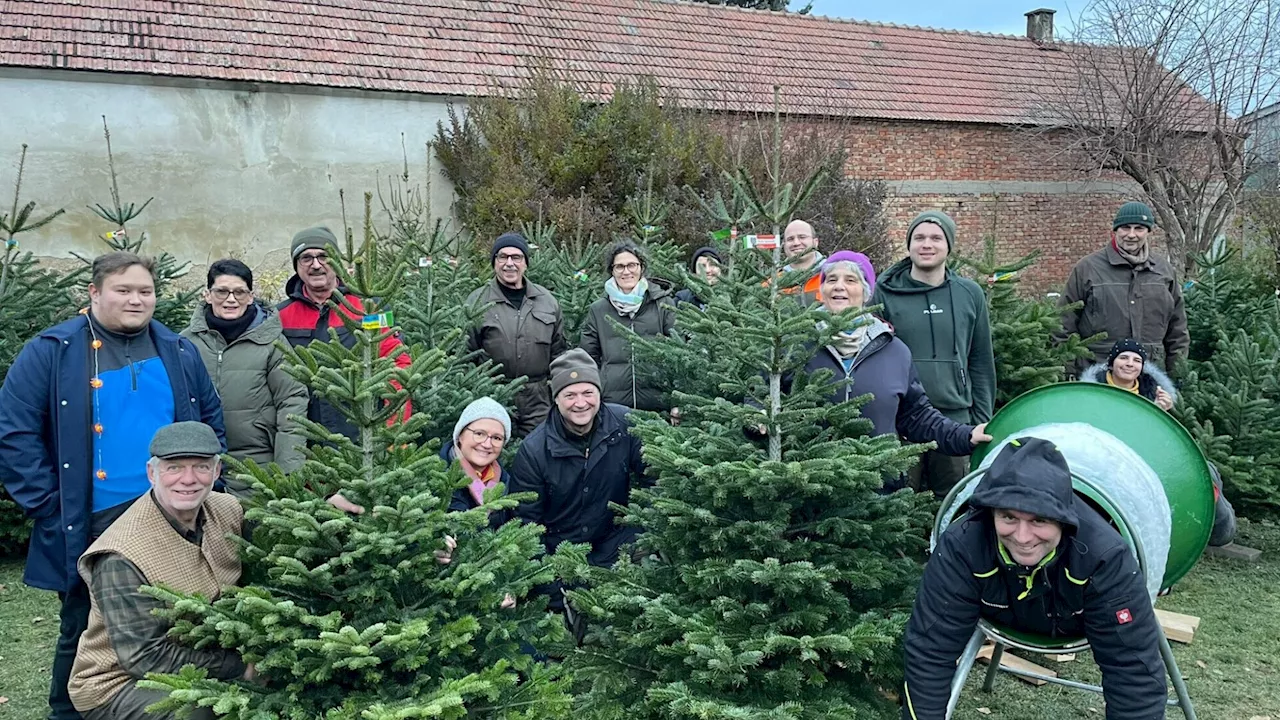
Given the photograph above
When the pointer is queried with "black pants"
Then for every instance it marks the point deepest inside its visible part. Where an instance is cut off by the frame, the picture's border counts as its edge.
(938, 473)
(73, 619)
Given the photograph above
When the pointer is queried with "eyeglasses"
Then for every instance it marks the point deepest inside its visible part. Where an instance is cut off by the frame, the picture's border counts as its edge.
(626, 267)
(480, 436)
(221, 294)
(309, 259)
(204, 469)
(515, 258)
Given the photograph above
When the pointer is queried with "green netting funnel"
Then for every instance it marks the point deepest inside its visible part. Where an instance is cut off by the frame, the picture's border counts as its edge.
(1153, 434)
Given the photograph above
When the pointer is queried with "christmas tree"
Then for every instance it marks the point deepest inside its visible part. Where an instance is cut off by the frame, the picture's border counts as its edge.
(434, 311)
(572, 271)
(774, 578)
(1230, 399)
(353, 616)
(32, 298)
(1023, 329)
(173, 306)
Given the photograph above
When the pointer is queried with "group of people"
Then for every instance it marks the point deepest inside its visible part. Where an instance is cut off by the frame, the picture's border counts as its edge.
(111, 426)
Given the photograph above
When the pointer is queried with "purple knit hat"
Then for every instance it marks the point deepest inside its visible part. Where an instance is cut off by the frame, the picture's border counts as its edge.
(857, 258)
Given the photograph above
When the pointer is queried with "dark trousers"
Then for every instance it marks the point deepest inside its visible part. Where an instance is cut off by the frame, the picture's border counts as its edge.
(937, 473)
(73, 619)
(131, 703)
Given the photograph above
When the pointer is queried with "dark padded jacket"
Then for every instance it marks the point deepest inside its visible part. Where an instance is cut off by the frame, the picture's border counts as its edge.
(1089, 587)
(612, 351)
(575, 487)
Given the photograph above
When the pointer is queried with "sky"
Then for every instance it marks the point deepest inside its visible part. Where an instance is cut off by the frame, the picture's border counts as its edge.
(996, 16)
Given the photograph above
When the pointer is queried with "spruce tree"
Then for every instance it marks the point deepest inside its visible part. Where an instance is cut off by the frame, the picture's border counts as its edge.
(572, 270)
(352, 616)
(32, 298)
(774, 578)
(1023, 328)
(173, 305)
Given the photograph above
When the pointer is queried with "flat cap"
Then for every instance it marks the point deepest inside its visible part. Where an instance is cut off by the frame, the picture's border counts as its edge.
(185, 439)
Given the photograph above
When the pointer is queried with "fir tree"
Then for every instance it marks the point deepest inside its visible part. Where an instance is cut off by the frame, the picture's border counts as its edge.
(173, 306)
(350, 616)
(1022, 329)
(775, 578)
(571, 270)
(32, 298)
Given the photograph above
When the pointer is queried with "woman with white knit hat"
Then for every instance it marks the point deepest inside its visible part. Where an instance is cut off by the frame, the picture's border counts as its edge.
(478, 438)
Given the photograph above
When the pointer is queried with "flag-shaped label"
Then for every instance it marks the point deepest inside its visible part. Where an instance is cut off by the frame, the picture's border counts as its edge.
(1124, 616)
(766, 242)
(378, 322)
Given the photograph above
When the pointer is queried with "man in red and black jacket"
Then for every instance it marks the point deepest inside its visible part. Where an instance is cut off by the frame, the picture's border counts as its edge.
(307, 314)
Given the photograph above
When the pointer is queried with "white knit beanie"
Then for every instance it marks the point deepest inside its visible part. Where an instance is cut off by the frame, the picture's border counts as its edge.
(482, 409)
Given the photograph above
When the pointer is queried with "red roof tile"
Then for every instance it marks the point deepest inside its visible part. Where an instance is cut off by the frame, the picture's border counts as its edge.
(702, 55)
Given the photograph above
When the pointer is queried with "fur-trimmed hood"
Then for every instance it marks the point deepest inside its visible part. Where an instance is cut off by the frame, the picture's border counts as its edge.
(1097, 373)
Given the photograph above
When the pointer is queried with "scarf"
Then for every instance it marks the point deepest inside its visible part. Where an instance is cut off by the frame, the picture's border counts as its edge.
(230, 330)
(481, 480)
(1112, 382)
(1139, 259)
(849, 344)
(626, 303)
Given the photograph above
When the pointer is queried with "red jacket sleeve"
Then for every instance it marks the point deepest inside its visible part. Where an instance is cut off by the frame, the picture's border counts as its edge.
(389, 346)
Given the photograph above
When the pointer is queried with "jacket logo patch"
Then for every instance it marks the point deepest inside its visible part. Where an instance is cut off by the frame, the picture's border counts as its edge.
(933, 310)
(1124, 616)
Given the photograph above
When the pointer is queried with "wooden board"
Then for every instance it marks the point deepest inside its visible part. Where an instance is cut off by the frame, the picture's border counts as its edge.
(1016, 663)
(1066, 657)
(1236, 552)
(1178, 627)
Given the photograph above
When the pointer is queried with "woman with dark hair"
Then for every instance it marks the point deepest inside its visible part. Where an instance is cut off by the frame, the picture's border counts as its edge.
(1127, 368)
(646, 307)
(236, 336)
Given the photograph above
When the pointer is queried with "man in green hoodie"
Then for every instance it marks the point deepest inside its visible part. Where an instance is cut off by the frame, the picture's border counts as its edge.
(943, 319)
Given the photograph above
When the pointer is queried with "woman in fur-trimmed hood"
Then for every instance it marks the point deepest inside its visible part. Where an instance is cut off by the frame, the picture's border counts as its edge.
(1127, 368)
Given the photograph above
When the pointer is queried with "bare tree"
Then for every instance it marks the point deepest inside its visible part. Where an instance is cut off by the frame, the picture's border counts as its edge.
(1160, 90)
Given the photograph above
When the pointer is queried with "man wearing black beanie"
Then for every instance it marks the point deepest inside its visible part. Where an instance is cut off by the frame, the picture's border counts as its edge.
(522, 328)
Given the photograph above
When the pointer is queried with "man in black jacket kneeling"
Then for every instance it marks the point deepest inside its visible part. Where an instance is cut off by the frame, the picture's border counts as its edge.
(1030, 556)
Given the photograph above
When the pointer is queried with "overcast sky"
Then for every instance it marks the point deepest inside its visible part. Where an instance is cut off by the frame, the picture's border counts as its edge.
(996, 16)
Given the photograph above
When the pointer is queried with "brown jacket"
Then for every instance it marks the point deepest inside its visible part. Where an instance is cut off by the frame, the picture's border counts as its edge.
(523, 341)
(1142, 302)
(146, 538)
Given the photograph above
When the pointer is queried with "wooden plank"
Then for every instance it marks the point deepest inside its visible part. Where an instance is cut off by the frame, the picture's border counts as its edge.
(1064, 657)
(1016, 663)
(1233, 551)
(1178, 627)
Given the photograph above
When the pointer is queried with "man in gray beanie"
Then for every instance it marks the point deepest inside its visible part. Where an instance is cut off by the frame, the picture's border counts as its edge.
(943, 318)
(521, 330)
(1127, 292)
(578, 461)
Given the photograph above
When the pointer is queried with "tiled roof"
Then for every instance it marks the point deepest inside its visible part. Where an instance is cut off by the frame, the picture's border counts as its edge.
(702, 55)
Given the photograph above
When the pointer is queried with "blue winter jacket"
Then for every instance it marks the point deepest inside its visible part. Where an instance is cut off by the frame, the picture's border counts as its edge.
(45, 442)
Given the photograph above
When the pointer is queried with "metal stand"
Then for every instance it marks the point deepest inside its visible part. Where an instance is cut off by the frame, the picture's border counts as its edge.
(1182, 700)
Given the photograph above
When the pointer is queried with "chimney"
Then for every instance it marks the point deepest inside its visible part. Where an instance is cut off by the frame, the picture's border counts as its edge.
(1040, 26)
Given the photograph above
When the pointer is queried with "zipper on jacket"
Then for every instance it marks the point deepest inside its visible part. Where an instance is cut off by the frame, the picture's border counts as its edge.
(635, 396)
(128, 358)
(218, 379)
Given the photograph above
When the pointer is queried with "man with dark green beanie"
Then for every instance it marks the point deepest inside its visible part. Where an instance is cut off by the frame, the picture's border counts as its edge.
(1127, 293)
(943, 319)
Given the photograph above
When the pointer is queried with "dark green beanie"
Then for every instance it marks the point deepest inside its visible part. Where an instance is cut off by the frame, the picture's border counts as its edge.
(313, 238)
(1134, 213)
(939, 218)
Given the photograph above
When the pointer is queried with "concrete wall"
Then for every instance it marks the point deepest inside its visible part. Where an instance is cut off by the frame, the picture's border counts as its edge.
(235, 169)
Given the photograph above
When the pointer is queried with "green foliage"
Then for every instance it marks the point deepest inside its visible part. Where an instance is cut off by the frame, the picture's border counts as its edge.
(173, 306)
(1026, 332)
(354, 615)
(572, 270)
(1230, 396)
(548, 155)
(32, 298)
(773, 582)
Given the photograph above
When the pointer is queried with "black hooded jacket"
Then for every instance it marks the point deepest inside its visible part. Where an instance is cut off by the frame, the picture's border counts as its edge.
(1089, 586)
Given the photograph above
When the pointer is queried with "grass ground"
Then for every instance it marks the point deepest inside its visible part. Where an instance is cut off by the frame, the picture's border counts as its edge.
(1232, 668)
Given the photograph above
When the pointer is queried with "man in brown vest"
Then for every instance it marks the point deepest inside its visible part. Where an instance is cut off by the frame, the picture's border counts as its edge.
(177, 535)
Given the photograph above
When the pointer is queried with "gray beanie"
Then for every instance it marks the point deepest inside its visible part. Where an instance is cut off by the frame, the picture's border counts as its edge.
(313, 238)
(939, 218)
(571, 368)
(486, 408)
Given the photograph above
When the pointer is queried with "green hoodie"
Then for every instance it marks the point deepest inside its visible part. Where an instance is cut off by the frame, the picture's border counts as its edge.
(949, 333)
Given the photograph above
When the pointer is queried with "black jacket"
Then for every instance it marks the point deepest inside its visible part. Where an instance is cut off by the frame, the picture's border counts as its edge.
(613, 353)
(575, 489)
(462, 499)
(1089, 587)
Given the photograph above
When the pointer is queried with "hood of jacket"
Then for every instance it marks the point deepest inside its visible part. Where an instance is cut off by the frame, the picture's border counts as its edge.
(264, 330)
(1097, 373)
(897, 279)
(1029, 475)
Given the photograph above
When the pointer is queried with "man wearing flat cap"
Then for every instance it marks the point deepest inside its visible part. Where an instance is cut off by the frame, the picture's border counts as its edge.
(579, 460)
(1031, 556)
(177, 535)
(521, 330)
